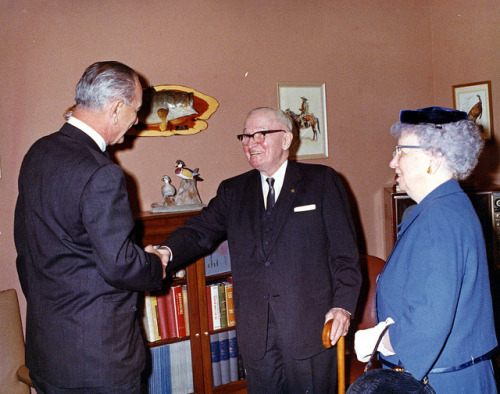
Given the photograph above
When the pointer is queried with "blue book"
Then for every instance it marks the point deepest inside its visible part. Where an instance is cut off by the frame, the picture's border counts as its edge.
(233, 355)
(215, 355)
(224, 357)
(159, 380)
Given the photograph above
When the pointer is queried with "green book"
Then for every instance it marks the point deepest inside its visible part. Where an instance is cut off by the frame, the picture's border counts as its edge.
(222, 305)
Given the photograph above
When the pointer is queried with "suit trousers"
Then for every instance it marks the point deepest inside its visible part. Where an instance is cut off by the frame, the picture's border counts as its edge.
(131, 387)
(278, 372)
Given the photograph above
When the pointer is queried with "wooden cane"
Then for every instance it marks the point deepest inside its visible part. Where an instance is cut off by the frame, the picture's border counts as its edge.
(340, 355)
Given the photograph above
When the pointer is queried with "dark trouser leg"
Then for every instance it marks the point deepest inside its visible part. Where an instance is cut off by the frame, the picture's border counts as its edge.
(278, 372)
(132, 387)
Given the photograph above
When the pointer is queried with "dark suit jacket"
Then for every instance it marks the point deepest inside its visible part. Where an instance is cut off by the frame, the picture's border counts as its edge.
(77, 265)
(312, 264)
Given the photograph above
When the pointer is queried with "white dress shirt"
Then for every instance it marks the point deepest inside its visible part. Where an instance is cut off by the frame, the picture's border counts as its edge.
(89, 131)
(279, 178)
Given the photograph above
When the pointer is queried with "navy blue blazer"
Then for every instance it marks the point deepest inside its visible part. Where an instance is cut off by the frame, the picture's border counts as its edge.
(78, 267)
(312, 263)
(436, 288)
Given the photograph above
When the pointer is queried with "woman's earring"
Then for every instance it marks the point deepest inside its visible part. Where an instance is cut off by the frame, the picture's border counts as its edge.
(429, 170)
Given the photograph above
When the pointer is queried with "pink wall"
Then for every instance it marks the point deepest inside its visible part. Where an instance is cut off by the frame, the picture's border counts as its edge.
(376, 58)
(467, 49)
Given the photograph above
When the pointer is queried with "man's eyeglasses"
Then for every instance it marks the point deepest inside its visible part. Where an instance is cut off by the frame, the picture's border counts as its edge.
(397, 150)
(258, 136)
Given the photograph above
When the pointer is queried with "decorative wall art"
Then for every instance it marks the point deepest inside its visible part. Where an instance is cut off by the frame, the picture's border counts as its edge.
(475, 99)
(172, 109)
(186, 198)
(306, 104)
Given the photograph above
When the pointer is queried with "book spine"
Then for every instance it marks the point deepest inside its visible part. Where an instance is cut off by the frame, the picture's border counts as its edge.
(147, 318)
(209, 309)
(172, 330)
(185, 301)
(224, 357)
(214, 290)
(215, 357)
(159, 379)
(154, 311)
(162, 316)
(233, 355)
(231, 320)
(222, 305)
(179, 311)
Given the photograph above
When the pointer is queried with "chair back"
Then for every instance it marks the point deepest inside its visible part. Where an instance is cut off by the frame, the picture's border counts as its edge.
(371, 267)
(11, 343)
(366, 315)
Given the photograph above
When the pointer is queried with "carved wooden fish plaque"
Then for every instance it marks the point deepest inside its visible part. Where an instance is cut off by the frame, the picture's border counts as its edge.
(173, 109)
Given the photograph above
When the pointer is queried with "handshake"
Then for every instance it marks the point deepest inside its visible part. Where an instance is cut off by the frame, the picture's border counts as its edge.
(163, 252)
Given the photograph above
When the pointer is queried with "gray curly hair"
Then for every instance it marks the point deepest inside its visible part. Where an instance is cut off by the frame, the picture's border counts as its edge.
(460, 143)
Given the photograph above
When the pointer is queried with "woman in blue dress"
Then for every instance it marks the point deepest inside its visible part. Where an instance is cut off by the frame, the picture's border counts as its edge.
(435, 286)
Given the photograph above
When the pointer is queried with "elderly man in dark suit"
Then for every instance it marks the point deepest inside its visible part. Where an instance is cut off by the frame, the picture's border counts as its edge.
(79, 269)
(294, 258)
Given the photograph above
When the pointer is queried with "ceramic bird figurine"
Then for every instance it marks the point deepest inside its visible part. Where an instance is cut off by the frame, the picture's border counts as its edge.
(185, 173)
(167, 189)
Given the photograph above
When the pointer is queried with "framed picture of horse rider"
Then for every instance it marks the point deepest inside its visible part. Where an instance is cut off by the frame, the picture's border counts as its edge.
(306, 105)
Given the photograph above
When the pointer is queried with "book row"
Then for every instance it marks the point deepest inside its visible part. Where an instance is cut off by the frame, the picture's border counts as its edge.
(166, 314)
(220, 305)
(169, 370)
(227, 365)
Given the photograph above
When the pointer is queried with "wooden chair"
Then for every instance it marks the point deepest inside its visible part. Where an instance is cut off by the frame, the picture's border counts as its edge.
(365, 317)
(14, 376)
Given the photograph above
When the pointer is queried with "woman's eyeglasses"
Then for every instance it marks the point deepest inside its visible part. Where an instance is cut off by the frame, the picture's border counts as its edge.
(397, 150)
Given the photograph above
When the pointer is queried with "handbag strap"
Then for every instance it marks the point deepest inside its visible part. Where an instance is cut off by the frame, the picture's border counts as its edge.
(369, 364)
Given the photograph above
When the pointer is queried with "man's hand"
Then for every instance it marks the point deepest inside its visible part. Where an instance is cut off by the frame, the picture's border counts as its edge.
(162, 253)
(341, 322)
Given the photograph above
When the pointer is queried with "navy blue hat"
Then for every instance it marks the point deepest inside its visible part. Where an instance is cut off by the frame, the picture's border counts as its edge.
(436, 115)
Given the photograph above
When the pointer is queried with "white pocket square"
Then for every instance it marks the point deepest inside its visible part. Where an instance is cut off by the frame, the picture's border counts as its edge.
(310, 207)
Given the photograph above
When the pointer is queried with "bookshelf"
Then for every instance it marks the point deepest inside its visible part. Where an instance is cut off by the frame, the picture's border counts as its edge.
(153, 229)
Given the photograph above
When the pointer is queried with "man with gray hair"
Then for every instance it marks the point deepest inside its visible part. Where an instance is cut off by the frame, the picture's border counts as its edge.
(78, 268)
(294, 259)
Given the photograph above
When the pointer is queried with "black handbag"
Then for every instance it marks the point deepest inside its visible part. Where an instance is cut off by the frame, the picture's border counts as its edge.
(387, 380)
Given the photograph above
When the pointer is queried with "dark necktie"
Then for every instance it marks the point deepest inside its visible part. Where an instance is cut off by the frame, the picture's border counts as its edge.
(270, 194)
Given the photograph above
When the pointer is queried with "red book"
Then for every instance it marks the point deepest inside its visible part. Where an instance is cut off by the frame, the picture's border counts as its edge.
(171, 314)
(179, 311)
(163, 315)
(209, 309)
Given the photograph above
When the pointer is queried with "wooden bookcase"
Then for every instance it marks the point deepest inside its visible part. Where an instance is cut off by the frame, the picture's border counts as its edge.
(153, 229)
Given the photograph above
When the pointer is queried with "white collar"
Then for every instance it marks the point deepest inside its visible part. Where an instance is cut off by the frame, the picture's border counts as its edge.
(279, 178)
(89, 131)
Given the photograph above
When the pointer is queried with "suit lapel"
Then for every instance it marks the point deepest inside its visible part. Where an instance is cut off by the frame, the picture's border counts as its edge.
(291, 186)
(254, 200)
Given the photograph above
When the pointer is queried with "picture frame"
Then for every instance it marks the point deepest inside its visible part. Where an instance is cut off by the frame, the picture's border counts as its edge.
(306, 105)
(475, 99)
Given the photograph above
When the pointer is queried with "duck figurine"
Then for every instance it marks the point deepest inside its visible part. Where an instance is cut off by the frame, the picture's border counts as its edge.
(167, 190)
(185, 173)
